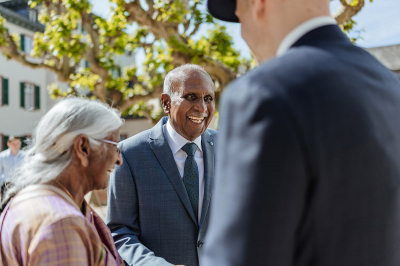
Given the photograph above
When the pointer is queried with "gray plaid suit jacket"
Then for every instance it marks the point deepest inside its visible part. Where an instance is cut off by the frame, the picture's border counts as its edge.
(149, 211)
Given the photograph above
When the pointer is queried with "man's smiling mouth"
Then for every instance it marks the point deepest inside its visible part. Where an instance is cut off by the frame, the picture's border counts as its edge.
(196, 119)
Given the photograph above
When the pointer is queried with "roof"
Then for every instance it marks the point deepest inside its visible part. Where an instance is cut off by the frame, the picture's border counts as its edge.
(15, 18)
(388, 55)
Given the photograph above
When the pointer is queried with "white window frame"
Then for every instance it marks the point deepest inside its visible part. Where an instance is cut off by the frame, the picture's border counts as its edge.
(32, 15)
(29, 88)
(28, 45)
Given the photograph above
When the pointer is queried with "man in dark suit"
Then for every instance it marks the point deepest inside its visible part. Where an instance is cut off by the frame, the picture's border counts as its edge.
(158, 201)
(308, 158)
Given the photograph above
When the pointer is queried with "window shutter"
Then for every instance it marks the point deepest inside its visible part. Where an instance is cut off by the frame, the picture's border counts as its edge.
(22, 94)
(23, 143)
(119, 72)
(37, 97)
(23, 42)
(5, 139)
(5, 91)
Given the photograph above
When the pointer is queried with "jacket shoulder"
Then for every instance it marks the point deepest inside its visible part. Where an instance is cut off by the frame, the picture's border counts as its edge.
(212, 132)
(139, 139)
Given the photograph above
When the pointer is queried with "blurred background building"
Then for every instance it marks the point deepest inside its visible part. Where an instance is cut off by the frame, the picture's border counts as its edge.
(24, 97)
(389, 56)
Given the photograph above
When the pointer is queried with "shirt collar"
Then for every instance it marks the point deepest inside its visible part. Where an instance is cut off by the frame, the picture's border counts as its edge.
(176, 141)
(8, 152)
(302, 30)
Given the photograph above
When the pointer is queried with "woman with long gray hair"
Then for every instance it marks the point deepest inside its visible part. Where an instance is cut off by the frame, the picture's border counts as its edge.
(45, 219)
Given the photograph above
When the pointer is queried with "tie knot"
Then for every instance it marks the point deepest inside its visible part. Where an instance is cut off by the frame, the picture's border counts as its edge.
(190, 149)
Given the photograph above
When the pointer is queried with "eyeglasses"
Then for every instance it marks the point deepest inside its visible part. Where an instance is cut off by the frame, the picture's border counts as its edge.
(118, 144)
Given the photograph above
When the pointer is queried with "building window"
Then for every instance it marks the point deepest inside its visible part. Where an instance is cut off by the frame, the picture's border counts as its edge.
(32, 15)
(30, 96)
(117, 72)
(4, 140)
(26, 43)
(84, 63)
(3, 91)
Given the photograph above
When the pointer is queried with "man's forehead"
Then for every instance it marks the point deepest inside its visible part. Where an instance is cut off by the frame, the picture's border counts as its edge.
(193, 80)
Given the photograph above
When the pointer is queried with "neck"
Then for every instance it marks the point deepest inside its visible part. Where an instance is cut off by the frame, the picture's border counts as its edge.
(279, 24)
(14, 152)
(75, 190)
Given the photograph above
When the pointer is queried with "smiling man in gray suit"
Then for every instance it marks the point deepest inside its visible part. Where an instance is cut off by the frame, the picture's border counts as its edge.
(158, 201)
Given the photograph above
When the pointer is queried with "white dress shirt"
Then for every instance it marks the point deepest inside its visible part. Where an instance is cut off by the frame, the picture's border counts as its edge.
(7, 162)
(302, 30)
(176, 142)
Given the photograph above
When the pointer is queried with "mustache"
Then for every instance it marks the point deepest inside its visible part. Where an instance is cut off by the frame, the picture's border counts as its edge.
(199, 115)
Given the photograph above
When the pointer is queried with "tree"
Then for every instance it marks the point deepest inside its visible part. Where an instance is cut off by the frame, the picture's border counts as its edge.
(345, 13)
(164, 29)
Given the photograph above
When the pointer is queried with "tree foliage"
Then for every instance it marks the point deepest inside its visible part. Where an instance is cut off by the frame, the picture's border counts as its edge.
(165, 30)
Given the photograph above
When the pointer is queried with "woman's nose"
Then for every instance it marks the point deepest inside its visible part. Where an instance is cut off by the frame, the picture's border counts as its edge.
(119, 159)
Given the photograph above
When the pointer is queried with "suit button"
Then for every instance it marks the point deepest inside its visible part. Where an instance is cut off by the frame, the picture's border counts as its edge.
(199, 244)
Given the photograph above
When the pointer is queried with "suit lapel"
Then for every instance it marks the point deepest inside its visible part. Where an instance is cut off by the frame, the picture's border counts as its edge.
(208, 144)
(163, 152)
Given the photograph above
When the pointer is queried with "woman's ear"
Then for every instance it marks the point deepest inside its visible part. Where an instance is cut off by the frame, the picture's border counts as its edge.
(166, 102)
(82, 149)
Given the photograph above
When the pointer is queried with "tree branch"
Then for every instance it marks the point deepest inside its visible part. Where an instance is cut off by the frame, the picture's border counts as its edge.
(196, 28)
(94, 34)
(12, 51)
(216, 69)
(345, 11)
(187, 23)
(137, 98)
(150, 3)
(160, 30)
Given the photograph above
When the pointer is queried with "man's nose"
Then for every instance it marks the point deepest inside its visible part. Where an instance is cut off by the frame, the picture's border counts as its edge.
(201, 106)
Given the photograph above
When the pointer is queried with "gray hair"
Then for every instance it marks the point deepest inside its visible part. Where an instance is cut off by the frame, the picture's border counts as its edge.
(50, 151)
(179, 75)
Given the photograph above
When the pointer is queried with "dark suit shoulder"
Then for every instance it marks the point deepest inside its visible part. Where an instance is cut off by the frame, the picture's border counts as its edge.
(310, 68)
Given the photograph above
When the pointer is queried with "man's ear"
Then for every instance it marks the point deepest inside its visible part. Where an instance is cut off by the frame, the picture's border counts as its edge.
(82, 149)
(166, 102)
(259, 8)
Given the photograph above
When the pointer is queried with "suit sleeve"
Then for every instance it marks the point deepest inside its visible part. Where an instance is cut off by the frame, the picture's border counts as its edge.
(123, 219)
(260, 184)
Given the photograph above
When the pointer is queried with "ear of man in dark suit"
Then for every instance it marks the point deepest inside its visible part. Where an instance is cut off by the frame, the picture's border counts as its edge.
(308, 159)
(158, 201)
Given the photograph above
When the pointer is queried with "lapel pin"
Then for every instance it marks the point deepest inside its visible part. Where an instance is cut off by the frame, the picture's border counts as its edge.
(211, 143)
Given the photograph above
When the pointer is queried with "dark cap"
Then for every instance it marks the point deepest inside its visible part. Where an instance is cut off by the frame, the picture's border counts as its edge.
(223, 9)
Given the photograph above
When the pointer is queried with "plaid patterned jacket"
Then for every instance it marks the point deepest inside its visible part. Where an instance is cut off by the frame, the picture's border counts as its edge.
(43, 226)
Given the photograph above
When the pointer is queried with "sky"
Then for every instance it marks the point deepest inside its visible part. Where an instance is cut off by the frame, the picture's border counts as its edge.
(379, 23)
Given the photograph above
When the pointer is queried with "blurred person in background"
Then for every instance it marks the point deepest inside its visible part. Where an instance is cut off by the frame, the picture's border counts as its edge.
(9, 159)
(308, 158)
(45, 219)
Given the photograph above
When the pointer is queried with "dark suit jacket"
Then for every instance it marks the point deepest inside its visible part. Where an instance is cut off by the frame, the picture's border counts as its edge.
(308, 161)
(149, 212)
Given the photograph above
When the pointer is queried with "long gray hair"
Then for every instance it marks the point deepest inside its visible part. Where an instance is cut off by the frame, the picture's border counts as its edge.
(50, 151)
